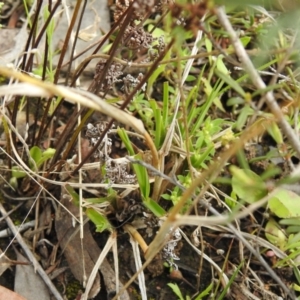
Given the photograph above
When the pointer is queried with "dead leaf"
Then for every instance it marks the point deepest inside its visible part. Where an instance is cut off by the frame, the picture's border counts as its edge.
(28, 283)
(72, 250)
(5, 263)
(15, 40)
(70, 243)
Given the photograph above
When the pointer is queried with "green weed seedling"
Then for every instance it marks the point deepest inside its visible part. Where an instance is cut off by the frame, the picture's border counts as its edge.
(176, 193)
(95, 208)
(176, 290)
(148, 110)
(247, 185)
(142, 106)
(285, 233)
(36, 160)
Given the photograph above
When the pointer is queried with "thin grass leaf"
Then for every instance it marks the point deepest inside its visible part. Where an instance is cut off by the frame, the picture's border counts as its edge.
(165, 110)
(211, 97)
(140, 171)
(100, 221)
(159, 126)
(231, 82)
(231, 280)
(175, 288)
(155, 208)
(73, 194)
(205, 292)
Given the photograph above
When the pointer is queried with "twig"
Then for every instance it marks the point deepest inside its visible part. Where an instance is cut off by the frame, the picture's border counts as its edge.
(30, 256)
(7, 232)
(11, 211)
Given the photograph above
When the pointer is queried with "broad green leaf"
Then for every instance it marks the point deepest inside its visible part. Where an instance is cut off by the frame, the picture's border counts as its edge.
(274, 234)
(110, 198)
(197, 160)
(290, 221)
(140, 171)
(158, 32)
(293, 241)
(166, 196)
(247, 185)
(245, 40)
(235, 101)
(36, 153)
(293, 229)
(97, 200)
(13, 181)
(125, 139)
(295, 287)
(243, 117)
(230, 81)
(155, 208)
(47, 154)
(232, 200)
(285, 204)
(205, 292)
(99, 220)
(73, 194)
(275, 132)
(190, 78)
(152, 79)
(176, 290)
(220, 66)
(17, 172)
(159, 126)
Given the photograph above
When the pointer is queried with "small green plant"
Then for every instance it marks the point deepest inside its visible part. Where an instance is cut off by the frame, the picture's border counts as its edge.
(176, 290)
(36, 160)
(96, 208)
(176, 193)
